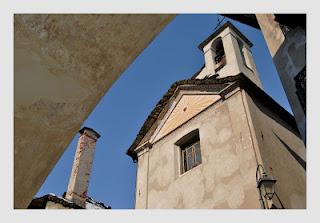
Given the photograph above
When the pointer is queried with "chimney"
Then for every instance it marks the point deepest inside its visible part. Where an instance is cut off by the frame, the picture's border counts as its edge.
(81, 169)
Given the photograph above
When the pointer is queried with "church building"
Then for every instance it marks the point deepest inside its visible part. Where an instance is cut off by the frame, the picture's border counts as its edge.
(218, 141)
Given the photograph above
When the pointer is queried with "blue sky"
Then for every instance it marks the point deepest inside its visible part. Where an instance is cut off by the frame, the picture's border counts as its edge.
(172, 56)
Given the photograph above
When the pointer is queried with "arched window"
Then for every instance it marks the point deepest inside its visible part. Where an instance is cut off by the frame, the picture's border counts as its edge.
(218, 54)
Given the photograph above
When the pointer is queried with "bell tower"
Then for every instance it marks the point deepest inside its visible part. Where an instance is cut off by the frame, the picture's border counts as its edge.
(227, 53)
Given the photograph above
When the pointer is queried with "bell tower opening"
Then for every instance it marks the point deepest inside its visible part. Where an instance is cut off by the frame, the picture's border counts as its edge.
(219, 55)
(227, 53)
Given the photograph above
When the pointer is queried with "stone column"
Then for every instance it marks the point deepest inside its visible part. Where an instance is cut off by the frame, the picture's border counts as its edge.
(81, 169)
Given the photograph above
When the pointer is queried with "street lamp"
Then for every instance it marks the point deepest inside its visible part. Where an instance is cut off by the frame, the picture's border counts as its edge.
(265, 184)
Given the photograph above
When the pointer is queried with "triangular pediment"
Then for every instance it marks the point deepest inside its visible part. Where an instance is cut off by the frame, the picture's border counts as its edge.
(186, 107)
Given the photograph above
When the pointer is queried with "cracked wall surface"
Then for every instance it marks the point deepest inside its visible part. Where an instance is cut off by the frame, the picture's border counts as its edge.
(63, 65)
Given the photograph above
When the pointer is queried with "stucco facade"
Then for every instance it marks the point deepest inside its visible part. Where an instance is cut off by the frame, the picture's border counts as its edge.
(238, 127)
(231, 148)
(282, 152)
(226, 177)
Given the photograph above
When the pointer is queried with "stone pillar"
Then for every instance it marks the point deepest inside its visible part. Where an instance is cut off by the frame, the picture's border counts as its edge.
(81, 169)
(288, 52)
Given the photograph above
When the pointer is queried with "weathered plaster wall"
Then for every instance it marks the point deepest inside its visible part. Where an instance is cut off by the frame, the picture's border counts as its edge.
(63, 65)
(226, 177)
(142, 182)
(275, 139)
(289, 56)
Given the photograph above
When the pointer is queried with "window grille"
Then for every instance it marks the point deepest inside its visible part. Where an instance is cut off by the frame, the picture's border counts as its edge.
(190, 157)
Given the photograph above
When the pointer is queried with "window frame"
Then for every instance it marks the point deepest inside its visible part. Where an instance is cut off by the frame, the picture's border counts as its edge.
(192, 151)
(189, 145)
